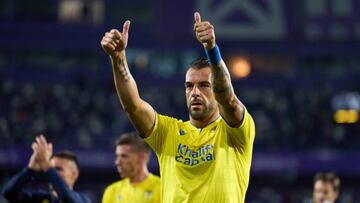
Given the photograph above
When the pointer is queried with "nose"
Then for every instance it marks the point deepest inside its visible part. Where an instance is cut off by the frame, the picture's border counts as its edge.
(195, 92)
(117, 161)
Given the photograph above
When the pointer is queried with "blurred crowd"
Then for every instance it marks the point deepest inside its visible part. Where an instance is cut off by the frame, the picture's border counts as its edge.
(85, 112)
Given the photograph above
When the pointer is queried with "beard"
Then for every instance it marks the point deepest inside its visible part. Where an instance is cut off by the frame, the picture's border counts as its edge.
(201, 114)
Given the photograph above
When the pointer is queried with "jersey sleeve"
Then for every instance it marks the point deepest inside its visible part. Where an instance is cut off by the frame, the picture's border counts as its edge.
(157, 137)
(13, 190)
(242, 137)
(63, 190)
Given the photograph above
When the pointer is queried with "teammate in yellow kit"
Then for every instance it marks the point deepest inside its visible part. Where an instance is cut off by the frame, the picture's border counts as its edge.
(137, 185)
(208, 158)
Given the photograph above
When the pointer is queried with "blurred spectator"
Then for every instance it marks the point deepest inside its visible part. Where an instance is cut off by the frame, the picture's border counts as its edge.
(288, 117)
(326, 188)
(61, 171)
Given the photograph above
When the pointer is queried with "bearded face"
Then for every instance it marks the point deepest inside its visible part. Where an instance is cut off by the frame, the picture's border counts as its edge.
(200, 98)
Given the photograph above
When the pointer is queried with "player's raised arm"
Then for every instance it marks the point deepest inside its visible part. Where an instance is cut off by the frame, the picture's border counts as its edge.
(230, 107)
(140, 112)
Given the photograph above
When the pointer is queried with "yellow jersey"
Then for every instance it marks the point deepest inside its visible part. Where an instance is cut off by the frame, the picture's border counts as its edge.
(209, 165)
(121, 191)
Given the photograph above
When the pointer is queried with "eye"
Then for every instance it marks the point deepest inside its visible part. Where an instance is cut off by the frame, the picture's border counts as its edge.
(204, 85)
(189, 86)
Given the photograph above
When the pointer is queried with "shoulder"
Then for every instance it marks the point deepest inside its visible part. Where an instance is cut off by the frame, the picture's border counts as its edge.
(154, 181)
(154, 177)
(115, 185)
(164, 119)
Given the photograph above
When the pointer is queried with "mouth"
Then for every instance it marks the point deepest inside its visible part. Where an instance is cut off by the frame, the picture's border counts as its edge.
(120, 168)
(196, 104)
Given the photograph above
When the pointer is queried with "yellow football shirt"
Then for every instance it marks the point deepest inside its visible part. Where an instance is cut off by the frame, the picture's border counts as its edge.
(121, 191)
(211, 164)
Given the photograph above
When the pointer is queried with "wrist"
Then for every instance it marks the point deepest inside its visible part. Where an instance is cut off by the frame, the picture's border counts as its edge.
(120, 55)
(213, 55)
(31, 168)
(209, 46)
(45, 167)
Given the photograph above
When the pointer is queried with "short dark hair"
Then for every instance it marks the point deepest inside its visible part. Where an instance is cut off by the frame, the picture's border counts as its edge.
(200, 63)
(69, 155)
(330, 177)
(133, 139)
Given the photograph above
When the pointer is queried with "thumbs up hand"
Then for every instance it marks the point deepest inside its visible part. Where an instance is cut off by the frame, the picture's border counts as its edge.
(204, 32)
(115, 42)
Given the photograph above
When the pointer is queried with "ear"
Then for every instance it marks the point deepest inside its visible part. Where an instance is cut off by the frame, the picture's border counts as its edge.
(74, 171)
(75, 174)
(144, 157)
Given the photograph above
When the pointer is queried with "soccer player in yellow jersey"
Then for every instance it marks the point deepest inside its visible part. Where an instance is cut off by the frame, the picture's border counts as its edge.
(208, 158)
(137, 185)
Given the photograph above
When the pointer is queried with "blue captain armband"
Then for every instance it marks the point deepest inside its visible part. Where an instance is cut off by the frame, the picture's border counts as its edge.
(214, 55)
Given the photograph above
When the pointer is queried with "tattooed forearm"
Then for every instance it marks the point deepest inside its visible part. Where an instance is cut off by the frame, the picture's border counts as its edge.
(123, 69)
(221, 79)
(220, 88)
(229, 105)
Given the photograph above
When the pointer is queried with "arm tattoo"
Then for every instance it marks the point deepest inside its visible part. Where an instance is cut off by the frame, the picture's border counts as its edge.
(123, 69)
(221, 79)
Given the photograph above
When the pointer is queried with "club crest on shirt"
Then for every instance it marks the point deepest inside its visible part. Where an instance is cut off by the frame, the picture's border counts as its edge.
(45, 201)
(119, 197)
(148, 194)
(182, 132)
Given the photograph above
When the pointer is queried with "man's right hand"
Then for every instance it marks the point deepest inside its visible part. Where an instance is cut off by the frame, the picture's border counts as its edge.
(42, 152)
(33, 163)
(114, 42)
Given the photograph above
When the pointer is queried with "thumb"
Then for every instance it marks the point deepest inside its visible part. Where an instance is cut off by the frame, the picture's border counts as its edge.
(197, 17)
(126, 27)
(50, 147)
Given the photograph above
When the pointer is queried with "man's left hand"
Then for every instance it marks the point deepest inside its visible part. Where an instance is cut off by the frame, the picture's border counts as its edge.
(204, 31)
